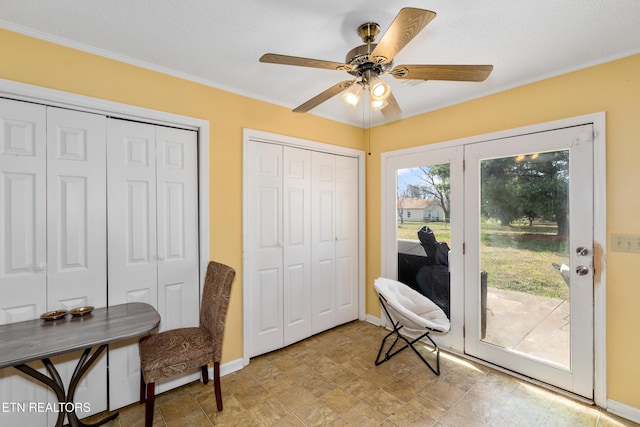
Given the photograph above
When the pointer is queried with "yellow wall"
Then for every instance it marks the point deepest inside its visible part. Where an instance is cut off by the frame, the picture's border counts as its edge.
(36, 62)
(613, 87)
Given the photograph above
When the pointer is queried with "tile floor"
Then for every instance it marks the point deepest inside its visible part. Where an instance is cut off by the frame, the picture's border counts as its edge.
(330, 379)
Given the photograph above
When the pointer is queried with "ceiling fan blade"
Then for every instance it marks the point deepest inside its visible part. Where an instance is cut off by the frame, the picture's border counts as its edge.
(406, 25)
(323, 96)
(461, 73)
(274, 58)
(392, 109)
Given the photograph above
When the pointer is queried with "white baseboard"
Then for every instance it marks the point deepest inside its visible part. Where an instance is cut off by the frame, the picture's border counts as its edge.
(228, 368)
(374, 320)
(622, 410)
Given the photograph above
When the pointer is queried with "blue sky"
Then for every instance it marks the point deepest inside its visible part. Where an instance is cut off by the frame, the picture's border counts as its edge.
(408, 176)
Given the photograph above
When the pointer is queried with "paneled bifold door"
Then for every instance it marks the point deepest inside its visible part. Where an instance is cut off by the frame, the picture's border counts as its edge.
(153, 243)
(52, 237)
(302, 210)
(66, 177)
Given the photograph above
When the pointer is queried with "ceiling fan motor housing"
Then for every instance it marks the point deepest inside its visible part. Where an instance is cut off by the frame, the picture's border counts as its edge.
(359, 59)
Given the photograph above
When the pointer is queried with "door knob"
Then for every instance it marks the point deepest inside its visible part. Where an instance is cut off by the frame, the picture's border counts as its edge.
(582, 270)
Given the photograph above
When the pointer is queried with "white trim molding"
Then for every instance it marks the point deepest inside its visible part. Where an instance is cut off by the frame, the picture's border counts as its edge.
(228, 368)
(623, 410)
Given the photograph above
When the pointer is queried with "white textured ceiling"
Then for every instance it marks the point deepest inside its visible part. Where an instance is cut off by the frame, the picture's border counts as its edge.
(219, 42)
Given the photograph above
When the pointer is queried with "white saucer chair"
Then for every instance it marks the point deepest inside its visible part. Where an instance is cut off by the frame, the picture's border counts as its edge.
(410, 311)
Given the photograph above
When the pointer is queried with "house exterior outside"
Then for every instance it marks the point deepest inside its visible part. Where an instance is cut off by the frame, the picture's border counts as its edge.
(425, 210)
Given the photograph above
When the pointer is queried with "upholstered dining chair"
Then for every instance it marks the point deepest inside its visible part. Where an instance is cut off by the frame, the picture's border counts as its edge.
(180, 350)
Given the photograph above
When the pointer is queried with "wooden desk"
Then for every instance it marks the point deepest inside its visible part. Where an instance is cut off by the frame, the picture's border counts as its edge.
(23, 342)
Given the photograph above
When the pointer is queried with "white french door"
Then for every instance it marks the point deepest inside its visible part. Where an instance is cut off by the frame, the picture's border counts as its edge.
(529, 285)
(403, 256)
(520, 228)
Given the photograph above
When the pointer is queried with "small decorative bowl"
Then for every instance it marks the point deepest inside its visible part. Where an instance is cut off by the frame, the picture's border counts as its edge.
(81, 311)
(54, 315)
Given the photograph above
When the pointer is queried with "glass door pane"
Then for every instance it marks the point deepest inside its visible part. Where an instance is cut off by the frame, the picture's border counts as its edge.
(524, 255)
(424, 232)
(422, 211)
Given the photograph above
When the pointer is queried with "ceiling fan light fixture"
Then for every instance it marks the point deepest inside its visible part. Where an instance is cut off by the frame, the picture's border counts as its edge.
(351, 96)
(378, 104)
(378, 88)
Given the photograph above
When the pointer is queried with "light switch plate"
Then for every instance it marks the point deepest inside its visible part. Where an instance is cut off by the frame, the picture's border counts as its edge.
(625, 243)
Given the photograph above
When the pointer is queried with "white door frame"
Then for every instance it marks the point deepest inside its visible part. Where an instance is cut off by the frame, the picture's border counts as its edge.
(273, 138)
(599, 221)
(56, 98)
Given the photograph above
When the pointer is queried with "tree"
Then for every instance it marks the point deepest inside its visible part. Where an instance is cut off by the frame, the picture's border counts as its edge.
(531, 187)
(437, 185)
(400, 204)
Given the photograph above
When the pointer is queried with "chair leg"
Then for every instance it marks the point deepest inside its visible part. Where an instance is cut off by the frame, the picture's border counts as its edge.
(148, 413)
(216, 384)
(143, 395)
(205, 374)
(408, 344)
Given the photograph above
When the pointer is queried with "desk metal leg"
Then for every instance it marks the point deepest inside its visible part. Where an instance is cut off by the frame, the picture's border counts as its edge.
(55, 382)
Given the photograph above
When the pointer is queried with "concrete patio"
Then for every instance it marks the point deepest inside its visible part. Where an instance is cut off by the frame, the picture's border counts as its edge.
(533, 325)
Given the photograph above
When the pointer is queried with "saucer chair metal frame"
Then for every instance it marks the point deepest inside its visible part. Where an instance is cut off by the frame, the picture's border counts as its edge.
(397, 326)
(413, 322)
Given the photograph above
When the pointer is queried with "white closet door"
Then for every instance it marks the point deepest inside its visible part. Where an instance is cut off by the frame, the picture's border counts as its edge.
(153, 238)
(264, 235)
(323, 235)
(76, 231)
(23, 211)
(177, 222)
(177, 240)
(297, 244)
(22, 240)
(346, 239)
(132, 268)
(76, 209)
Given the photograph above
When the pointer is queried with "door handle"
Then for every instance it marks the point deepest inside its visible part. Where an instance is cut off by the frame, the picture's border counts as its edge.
(582, 270)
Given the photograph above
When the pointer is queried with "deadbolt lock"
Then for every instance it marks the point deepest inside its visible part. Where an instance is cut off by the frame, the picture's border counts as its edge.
(582, 251)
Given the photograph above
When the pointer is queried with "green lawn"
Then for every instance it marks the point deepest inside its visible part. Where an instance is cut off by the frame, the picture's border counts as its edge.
(517, 258)
(409, 230)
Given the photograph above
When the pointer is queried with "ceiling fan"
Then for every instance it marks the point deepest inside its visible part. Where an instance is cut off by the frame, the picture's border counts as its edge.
(369, 61)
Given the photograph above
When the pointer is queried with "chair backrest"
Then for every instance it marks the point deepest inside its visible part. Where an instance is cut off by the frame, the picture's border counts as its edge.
(215, 301)
(414, 310)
